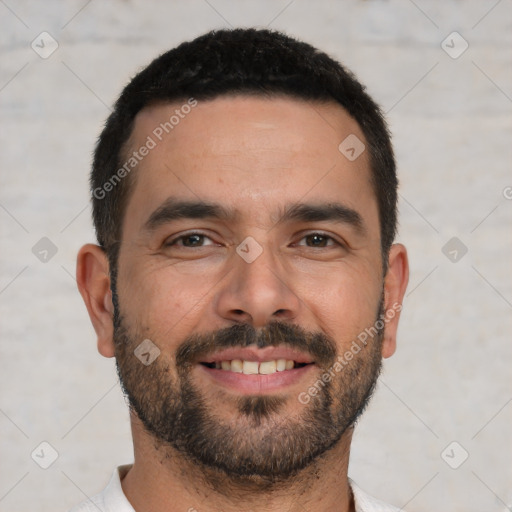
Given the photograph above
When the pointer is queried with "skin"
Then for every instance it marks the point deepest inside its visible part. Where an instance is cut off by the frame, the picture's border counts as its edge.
(255, 156)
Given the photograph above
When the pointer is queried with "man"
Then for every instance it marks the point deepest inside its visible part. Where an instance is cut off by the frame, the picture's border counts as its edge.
(246, 280)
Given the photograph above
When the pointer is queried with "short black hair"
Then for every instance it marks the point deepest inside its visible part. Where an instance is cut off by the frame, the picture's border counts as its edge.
(232, 62)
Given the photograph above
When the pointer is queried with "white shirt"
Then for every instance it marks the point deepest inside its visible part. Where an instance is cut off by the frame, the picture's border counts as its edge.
(112, 498)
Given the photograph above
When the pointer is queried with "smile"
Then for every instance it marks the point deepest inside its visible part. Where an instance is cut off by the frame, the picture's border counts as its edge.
(255, 367)
(254, 371)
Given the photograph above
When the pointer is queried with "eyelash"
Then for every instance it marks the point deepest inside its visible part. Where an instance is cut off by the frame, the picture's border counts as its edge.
(198, 233)
(186, 235)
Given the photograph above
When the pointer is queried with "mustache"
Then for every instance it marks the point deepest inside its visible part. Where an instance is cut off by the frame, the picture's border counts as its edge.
(320, 346)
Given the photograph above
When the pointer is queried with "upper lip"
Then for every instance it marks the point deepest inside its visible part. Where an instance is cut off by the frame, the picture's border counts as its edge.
(257, 354)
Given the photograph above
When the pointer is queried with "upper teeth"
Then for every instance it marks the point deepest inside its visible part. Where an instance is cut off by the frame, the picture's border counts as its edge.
(254, 367)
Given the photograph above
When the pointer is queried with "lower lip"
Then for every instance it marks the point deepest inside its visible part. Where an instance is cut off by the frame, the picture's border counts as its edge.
(256, 384)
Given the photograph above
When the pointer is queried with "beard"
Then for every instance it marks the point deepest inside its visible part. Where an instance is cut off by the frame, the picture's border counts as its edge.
(263, 443)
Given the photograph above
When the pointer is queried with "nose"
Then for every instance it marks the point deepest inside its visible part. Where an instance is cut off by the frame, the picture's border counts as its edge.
(257, 292)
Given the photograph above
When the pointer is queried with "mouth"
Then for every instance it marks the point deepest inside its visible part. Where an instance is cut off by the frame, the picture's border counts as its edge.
(254, 367)
(256, 371)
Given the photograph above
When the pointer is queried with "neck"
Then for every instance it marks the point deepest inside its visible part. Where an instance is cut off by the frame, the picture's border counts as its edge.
(162, 480)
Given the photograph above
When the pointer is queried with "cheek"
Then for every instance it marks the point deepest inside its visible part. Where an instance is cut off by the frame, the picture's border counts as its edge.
(344, 302)
(166, 301)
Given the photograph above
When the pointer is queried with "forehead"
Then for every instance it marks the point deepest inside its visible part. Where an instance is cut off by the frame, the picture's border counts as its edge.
(251, 153)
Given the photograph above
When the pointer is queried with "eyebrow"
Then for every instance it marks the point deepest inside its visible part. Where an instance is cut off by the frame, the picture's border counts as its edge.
(335, 212)
(174, 209)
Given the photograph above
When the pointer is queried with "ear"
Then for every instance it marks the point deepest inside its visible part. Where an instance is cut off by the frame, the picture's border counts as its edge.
(92, 276)
(395, 284)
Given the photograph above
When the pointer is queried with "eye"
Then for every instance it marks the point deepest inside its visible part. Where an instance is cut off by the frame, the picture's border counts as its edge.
(190, 240)
(317, 240)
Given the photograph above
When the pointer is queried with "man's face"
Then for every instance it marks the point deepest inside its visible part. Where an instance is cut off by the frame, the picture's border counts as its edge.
(249, 237)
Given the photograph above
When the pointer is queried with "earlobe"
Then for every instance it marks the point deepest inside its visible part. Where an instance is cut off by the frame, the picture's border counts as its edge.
(92, 276)
(395, 284)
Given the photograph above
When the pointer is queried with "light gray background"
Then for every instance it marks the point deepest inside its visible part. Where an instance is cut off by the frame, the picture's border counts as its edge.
(451, 120)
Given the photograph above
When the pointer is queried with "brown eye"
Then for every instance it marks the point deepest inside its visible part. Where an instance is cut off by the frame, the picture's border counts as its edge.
(317, 240)
(191, 240)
